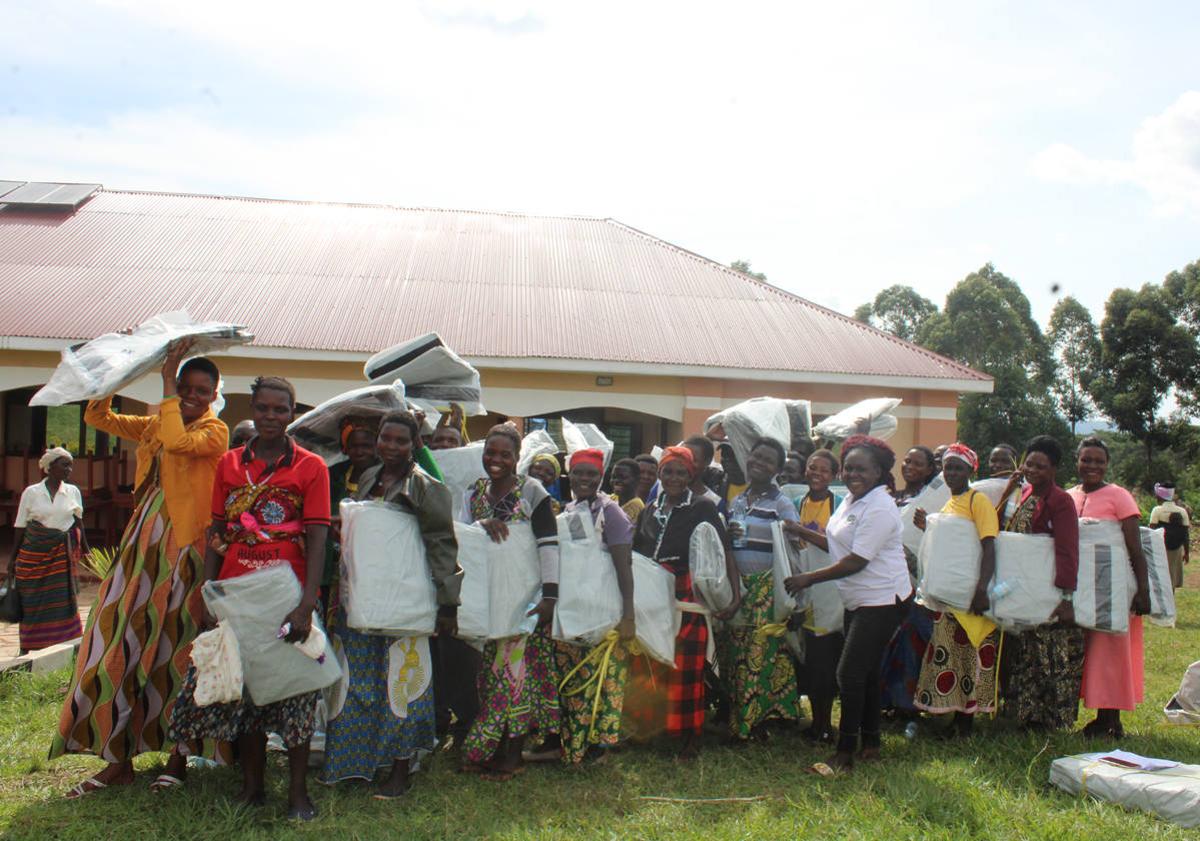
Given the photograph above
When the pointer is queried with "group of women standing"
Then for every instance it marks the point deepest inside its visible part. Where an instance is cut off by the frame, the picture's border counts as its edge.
(207, 513)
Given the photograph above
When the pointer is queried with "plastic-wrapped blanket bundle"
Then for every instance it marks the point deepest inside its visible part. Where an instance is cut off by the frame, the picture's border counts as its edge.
(1162, 594)
(785, 562)
(870, 417)
(581, 436)
(710, 575)
(654, 609)
(110, 362)
(500, 581)
(320, 430)
(589, 598)
(822, 604)
(255, 605)
(461, 467)
(1171, 793)
(743, 424)
(1102, 594)
(932, 498)
(536, 443)
(1184, 707)
(386, 586)
(435, 376)
(948, 562)
(1024, 594)
(800, 418)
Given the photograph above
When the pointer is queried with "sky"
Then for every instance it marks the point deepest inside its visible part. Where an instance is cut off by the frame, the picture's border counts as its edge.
(839, 147)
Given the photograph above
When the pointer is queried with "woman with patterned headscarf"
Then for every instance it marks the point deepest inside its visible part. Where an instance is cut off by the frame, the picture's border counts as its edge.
(663, 533)
(546, 469)
(958, 672)
(48, 515)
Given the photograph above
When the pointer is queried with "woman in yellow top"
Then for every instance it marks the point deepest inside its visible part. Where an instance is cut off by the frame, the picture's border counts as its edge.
(135, 650)
(958, 671)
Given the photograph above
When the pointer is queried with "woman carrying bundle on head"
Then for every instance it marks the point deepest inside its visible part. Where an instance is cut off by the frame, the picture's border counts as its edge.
(663, 534)
(958, 672)
(136, 646)
(1113, 666)
(758, 667)
(863, 539)
(48, 521)
(518, 682)
(270, 502)
(375, 728)
(591, 723)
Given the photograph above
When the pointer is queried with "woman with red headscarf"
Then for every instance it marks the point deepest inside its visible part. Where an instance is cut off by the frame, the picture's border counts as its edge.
(958, 671)
(663, 533)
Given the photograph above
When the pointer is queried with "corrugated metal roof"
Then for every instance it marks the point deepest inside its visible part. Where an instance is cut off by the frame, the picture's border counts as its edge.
(359, 278)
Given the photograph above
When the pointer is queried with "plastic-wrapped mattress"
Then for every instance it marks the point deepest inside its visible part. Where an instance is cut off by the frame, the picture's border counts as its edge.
(434, 375)
(1170, 793)
(319, 430)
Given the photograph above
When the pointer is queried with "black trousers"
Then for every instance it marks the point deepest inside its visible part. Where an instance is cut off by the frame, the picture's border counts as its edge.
(818, 675)
(455, 684)
(868, 631)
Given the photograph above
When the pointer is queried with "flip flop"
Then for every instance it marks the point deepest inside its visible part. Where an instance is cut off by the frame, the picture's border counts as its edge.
(308, 813)
(822, 769)
(550, 755)
(89, 786)
(503, 776)
(166, 781)
(379, 795)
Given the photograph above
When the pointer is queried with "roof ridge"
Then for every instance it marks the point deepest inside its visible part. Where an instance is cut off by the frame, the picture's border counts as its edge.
(770, 287)
(269, 200)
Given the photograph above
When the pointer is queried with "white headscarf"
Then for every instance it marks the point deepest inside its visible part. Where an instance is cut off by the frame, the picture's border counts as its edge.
(52, 455)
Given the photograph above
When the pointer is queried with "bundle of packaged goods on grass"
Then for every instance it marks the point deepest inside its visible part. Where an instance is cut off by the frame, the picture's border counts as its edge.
(948, 562)
(500, 581)
(1164, 788)
(320, 429)
(255, 606)
(745, 423)
(932, 498)
(1184, 706)
(461, 467)
(710, 575)
(434, 375)
(866, 417)
(1162, 594)
(109, 363)
(589, 598)
(1102, 590)
(386, 587)
(654, 609)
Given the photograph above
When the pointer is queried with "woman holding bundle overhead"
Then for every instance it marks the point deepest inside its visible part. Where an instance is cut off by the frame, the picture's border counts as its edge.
(48, 521)
(958, 673)
(518, 682)
(1113, 674)
(822, 646)
(380, 725)
(592, 723)
(1045, 665)
(863, 538)
(270, 500)
(135, 649)
(759, 667)
(663, 533)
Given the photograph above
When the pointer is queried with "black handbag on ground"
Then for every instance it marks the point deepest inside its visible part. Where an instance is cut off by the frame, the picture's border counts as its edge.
(10, 601)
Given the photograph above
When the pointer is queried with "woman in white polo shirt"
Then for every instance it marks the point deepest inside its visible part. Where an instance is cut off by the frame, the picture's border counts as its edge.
(864, 536)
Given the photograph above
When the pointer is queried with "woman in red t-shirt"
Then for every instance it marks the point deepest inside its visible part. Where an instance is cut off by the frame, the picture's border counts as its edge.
(271, 505)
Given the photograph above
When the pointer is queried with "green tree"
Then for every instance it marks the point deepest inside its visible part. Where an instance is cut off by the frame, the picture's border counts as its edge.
(1145, 354)
(987, 323)
(1076, 348)
(899, 310)
(743, 266)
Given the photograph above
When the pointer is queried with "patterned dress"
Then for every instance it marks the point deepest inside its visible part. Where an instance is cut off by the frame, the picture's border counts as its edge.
(45, 580)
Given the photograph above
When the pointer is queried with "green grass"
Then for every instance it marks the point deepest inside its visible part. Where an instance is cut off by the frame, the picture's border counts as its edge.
(991, 787)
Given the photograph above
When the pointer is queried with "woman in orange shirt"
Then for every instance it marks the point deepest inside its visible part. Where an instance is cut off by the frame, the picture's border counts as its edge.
(135, 650)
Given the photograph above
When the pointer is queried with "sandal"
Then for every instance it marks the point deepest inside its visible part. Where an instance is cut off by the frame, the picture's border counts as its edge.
(166, 781)
(823, 769)
(89, 786)
(502, 775)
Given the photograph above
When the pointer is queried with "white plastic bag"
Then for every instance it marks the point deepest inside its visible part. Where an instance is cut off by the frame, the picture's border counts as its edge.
(582, 436)
(824, 612)
(218, 666)
(847, 422)
(1102, 594)
(109, 363)
(319, 430)
(460, 467)
(589, 598)
(933, 497)
(1184, 707)
(500, 581)
(435, 376)
(710, 578)
(762, 417)
(655, 613)
(948, 561)
(386, 585)
(255, 605)
(800, 418)
(785, 562)
(1162, 594)
(536, 443)
(1025, 570)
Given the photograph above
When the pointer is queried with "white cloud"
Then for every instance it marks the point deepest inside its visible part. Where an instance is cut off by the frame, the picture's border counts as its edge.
(1165, 160)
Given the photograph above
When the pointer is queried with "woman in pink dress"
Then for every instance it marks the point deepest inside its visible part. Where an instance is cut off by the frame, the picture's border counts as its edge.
(1113, 675)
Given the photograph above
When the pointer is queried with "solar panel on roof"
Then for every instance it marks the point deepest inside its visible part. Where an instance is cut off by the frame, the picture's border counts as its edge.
(49, 194)
(8, 186)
